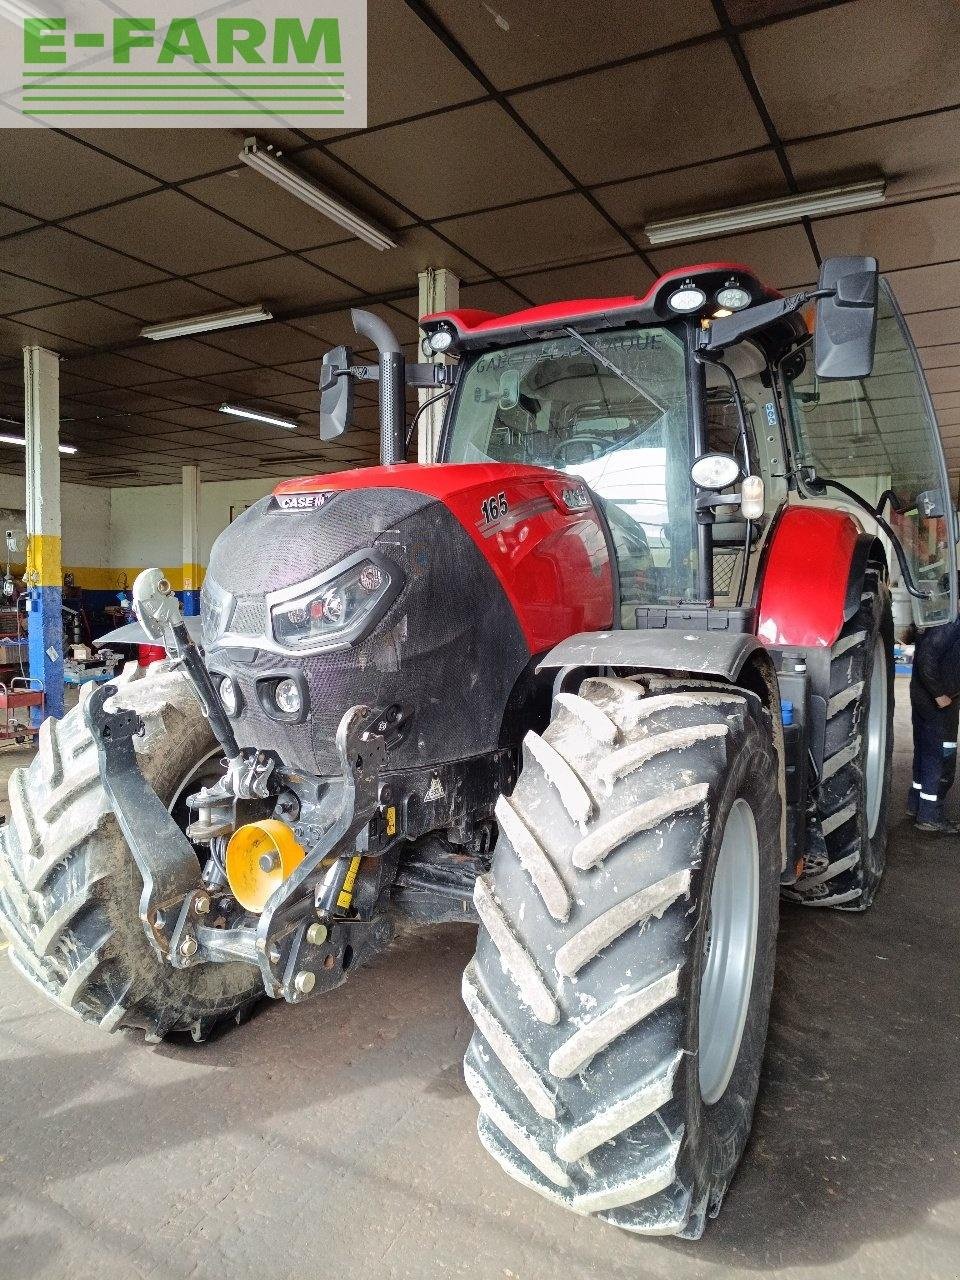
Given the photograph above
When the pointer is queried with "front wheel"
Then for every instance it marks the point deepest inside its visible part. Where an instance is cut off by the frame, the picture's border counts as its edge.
(623, 974)
(70, 889)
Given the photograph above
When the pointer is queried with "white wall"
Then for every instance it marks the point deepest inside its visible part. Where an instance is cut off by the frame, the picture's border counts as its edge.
(84, 518)
(145, 520)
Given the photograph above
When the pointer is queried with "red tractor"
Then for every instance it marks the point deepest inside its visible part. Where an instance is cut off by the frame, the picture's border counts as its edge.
(609, 679)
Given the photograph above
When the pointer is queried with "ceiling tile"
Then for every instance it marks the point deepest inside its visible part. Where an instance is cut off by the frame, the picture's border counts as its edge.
(926, 288)
(187, 416)
(183, 391)
(936, 326)
(16, 294)
(113, 369)
(696, 189)
(543, 233)
(265, 343)
(373, 272)
(14, 336)
(285, 282)
(11, 221)
(259, 382)
(633, 120)
(917, 157)
(743, 11)
(501, 299)
(87, 322)
(186, 357)
(507, 166)
(943, 380)
(51, 176)
(266, 208)
(154, 302)
(612, 277)
(174, 232)
(408, 69)
(780, 256)
(176, 154)
(904, 235)
(541, 42)
(66, 261)
(940, 357)
(851, 64)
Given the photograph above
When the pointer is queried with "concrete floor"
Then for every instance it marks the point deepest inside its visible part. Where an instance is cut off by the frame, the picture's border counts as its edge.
(339, 1138)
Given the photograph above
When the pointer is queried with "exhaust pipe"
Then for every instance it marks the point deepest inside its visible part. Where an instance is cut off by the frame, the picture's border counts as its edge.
(393, 426)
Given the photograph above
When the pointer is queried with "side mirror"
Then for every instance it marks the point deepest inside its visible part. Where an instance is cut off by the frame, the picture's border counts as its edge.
(336, 393)
(846, 327)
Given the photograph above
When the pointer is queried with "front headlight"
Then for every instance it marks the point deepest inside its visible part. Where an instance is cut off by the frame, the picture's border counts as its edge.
(337, 611)
(216, 610)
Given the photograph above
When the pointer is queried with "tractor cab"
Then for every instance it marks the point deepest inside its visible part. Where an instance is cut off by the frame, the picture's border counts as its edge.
(695, 425)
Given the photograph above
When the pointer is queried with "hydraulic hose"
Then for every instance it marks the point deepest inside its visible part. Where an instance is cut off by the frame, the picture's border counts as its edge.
(393, 436)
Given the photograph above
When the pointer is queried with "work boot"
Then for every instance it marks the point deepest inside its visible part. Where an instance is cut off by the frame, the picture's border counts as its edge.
(938, 828)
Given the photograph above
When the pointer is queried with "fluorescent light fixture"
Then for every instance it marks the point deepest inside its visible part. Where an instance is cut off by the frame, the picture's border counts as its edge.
(768, 213)
(19, 440)
(206, 324)
(297, 185)
(257, 415)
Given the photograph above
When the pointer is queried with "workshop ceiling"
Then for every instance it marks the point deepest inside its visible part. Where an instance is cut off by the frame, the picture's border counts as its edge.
(521, 143)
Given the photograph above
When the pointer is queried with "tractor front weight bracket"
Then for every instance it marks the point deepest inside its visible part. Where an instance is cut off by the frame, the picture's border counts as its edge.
(302, 944)
(165, 857)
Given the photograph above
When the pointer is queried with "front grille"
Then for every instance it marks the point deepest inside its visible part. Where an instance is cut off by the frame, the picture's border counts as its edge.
(249, 617)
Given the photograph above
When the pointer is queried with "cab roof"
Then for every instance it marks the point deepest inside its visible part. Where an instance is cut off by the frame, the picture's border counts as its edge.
(472, 328)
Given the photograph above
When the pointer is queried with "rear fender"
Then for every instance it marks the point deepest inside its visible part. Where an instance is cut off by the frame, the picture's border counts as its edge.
(812, 576)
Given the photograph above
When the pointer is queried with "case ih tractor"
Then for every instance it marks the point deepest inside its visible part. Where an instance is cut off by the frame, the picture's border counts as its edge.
(609, 679)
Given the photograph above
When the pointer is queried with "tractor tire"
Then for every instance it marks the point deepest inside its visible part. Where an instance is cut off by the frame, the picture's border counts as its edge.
(70, 889)
(846, 858)
(595, 1085)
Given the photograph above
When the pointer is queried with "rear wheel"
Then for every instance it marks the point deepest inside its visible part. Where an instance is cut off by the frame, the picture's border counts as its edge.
(622, 980)
(70, 889)
(846, 858)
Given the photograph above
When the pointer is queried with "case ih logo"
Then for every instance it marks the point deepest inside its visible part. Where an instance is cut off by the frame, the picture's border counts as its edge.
(302, 501)
(242, 63)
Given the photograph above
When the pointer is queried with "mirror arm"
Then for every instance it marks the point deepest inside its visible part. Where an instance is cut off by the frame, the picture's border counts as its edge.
(811, 478)
(729, 329)
(417, 375)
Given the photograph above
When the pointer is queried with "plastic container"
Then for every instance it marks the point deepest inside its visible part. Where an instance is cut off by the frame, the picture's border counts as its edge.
(150, 653)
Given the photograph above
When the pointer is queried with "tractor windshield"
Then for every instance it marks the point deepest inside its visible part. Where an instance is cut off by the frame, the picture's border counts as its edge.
(613, 409)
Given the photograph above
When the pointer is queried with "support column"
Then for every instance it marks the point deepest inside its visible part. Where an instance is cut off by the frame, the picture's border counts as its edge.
(44, 575)
(191, 541)
(439, 291)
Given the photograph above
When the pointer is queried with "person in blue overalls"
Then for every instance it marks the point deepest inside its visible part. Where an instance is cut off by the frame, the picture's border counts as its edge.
(935, 709)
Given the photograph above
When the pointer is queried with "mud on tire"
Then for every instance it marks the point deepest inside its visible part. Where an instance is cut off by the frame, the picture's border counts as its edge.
(70, 889)
(585, 988)
(844, 864)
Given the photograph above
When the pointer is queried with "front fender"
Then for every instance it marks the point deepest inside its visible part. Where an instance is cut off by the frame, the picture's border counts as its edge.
(702, 653)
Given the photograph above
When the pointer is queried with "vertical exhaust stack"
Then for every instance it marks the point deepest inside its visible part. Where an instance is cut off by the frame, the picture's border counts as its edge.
(393, 427)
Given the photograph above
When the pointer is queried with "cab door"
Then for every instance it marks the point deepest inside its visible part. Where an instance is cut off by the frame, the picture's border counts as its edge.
(879, 436)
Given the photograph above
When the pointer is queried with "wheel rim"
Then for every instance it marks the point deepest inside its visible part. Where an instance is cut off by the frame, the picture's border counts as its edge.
(731, 948)
(876, 739)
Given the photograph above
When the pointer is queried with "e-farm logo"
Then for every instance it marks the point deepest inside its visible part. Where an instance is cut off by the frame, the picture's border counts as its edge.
(235, 64)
